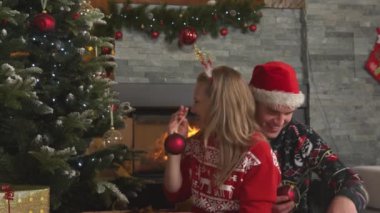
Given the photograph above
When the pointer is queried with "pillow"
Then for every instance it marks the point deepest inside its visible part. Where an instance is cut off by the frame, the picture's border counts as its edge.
(371, 178)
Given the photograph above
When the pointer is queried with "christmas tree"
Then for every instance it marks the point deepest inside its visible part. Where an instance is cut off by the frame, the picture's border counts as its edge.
(55, 98)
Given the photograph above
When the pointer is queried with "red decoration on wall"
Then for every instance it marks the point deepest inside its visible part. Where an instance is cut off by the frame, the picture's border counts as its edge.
(373, 63)
(44, 22)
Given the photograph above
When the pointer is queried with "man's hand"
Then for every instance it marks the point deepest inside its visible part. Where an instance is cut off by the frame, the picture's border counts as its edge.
(283, 204)
(341, 204)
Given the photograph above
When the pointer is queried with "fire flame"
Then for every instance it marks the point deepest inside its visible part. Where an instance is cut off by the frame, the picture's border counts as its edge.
(192, 130)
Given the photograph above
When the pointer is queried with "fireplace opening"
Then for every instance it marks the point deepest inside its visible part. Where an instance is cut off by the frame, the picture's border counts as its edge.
(146, 131)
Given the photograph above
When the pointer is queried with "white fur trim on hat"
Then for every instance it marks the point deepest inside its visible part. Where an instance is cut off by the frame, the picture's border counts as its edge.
(279, 98)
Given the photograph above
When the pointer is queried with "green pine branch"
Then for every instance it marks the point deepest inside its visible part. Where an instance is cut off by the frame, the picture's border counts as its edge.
(205, 19)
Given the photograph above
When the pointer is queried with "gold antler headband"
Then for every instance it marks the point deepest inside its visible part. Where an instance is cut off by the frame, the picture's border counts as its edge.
(205, 61)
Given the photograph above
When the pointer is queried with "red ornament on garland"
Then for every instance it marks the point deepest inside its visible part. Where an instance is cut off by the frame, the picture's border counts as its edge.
(187, 36)
(154, 34)
(118, 35)
(252, 27)
(175, 144)
(223, 31)
(44, 22)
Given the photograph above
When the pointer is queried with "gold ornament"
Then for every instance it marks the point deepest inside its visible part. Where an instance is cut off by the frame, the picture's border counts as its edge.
(112, 137)
(90, 48)
(90, 53)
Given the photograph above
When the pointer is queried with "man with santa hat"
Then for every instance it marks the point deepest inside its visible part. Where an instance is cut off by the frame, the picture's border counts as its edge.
(301, 152)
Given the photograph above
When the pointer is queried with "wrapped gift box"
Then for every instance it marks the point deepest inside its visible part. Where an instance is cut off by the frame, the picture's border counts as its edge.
(26, 199)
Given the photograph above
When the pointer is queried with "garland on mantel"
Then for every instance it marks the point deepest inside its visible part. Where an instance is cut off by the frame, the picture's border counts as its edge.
(184, 22)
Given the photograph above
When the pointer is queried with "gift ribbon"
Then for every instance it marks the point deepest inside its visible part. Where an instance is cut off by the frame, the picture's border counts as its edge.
(8, 194)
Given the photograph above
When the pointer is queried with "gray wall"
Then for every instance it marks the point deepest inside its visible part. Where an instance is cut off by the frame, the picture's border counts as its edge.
(327, 43)
(344, 98)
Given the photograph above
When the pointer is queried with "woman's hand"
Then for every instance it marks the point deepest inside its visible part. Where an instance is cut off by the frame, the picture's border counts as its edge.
(178, 122)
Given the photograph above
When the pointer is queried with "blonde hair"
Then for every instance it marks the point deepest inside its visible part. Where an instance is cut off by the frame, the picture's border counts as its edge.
(230, 118)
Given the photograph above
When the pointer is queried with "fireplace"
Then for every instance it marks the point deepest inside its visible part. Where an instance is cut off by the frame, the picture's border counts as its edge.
(145, 131)
(154, 104)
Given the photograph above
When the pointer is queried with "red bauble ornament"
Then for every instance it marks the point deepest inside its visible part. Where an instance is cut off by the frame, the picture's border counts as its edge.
(175, 144)
(154, 34)
(106, 50)
(252, 27)
(288, 190)
(118, 35)
(75, 16)
(44, 22)
(215, 17)
(223, 31)
(4, 22)
(187, 36)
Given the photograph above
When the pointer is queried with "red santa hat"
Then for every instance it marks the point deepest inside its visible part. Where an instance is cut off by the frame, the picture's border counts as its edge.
(275, 83)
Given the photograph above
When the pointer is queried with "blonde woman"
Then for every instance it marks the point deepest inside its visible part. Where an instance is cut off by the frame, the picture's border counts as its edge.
(228, 166)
